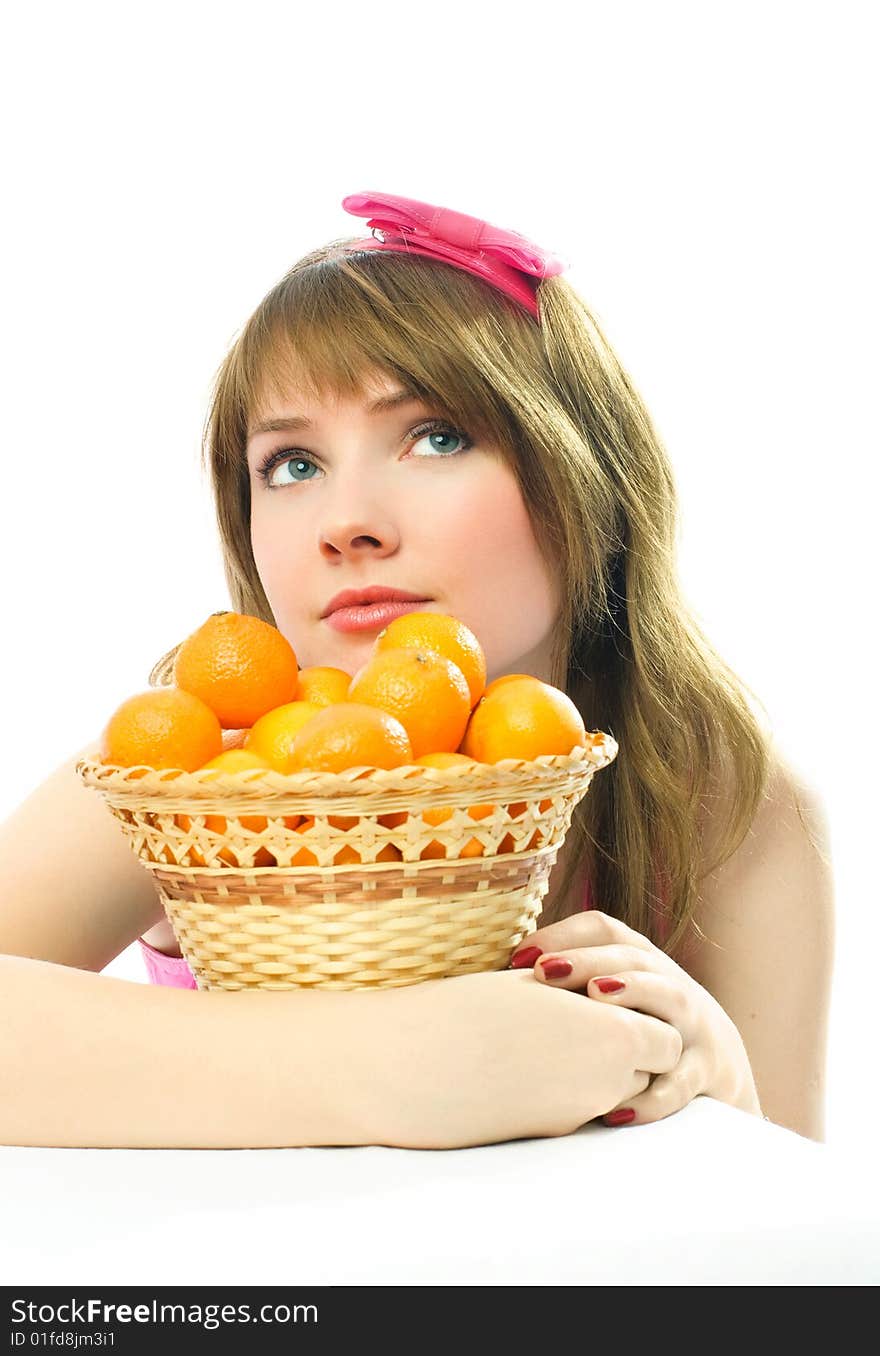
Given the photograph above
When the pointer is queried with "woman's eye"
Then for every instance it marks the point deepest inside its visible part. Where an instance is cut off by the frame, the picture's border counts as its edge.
(298, 468)
(443, 438)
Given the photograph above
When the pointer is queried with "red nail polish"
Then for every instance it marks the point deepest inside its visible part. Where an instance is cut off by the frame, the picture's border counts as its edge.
(620, 1117)
(609, 985)
(556, 969)
(527, 956)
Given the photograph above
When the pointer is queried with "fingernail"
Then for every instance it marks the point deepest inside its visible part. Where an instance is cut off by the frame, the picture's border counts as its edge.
(527, 956)
(556, 969)
(609, 985)
(620, 1117)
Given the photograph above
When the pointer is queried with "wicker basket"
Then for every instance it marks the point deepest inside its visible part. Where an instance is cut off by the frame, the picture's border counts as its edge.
(337, 880)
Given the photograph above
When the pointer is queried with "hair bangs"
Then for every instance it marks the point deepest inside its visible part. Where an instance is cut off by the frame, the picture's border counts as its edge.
(338, 320)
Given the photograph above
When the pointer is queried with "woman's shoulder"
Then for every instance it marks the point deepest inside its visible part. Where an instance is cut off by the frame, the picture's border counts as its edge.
(785, 854)
(74, 892)
(790, 789)
(791, 778)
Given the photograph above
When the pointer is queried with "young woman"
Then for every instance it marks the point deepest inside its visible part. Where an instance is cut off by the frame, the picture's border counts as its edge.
(433, 409)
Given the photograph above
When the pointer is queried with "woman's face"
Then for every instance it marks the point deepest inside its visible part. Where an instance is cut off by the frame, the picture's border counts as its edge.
(362, 498)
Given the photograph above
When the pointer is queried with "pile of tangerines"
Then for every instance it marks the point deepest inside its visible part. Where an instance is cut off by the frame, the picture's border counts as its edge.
(239, 700)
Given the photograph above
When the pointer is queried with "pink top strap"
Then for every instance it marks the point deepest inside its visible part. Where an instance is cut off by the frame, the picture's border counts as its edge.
(172, 971)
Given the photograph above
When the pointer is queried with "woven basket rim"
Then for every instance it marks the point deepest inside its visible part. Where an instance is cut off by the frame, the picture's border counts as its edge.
(327, 874)
(260, 784)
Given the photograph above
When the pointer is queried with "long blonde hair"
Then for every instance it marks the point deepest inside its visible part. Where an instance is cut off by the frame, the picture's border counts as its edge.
(599, 489)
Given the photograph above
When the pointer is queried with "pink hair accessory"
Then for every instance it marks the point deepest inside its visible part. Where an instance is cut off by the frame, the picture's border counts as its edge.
(503, 258)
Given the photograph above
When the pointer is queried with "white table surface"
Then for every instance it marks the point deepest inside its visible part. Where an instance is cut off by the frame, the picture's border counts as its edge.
(710, 1196)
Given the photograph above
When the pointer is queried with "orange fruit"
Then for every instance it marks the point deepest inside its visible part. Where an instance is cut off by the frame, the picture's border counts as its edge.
(304, 857)
(520, 807)
(273, 734)
(505, 678)
(161, 728)
(350, 734)
(236, 760)
(262, 856)
(395, 818)
(346, 854)
(515, 812)
(217, 823)
(525, 719)
(443, 635)
(473, 847)
(322, 685)
(388, 853)
(422, 689)
(230, 761)
(441, 760)
(343, 821)
(239, 666)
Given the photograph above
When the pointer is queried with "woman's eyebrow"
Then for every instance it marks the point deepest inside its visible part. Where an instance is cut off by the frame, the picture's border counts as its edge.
(296, 421)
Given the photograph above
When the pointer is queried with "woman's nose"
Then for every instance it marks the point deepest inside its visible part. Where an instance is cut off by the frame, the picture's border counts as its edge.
(355, 538)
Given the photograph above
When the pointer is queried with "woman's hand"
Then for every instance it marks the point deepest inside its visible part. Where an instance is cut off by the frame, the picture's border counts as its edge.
(478, 1059)
(598, 955)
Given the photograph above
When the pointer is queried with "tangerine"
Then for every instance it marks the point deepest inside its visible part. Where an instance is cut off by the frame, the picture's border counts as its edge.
(350, 734)
(273, 734)
(162, 728)
(322, 685)
(473, 847)
(347, 855)
(238, 665)
(231, 761)
(505, 678)
(444, 635)
(304, 857)
(422, 689)
(217, 824)
(524, 719)
(236, 760)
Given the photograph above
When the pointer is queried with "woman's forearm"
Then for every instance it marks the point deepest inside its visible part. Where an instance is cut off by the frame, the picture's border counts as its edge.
(95, 1062)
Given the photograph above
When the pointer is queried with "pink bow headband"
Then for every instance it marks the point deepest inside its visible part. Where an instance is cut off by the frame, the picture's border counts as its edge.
(503, 258)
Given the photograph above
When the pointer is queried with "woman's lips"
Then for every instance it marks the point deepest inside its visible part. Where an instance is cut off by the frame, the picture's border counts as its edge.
(369, 616)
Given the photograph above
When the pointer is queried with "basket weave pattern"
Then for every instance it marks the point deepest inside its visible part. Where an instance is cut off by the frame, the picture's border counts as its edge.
(362, 892)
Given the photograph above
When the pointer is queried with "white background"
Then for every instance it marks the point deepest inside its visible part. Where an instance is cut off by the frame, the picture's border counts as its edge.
(707, 170)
